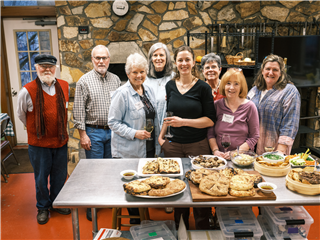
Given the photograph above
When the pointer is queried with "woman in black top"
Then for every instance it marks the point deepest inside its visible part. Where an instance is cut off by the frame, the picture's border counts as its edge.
(191, 102)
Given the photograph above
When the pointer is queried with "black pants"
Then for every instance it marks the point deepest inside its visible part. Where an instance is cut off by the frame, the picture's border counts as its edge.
(201, 217)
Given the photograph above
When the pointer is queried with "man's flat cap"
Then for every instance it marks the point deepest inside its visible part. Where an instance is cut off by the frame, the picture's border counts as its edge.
(45, 59)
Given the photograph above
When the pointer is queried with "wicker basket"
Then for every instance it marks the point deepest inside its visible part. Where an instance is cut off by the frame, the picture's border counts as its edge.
(233, 59)
(243, 63)
(237, 57)
(307, 189)
(229, 59)
(272, 171)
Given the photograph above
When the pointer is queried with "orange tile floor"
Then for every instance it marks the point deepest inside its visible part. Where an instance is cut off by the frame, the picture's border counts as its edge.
(18, 215)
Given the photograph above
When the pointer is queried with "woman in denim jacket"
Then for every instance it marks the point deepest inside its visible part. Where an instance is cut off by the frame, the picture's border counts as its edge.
(131, 105)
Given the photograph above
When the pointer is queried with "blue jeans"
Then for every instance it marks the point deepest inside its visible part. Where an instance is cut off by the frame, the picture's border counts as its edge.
(100, 143)
(47, 162)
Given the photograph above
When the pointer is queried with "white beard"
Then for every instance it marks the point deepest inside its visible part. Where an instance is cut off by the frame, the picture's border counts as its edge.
(48, 79)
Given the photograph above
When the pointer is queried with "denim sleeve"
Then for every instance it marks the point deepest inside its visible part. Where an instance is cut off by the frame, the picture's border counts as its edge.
(117, 113)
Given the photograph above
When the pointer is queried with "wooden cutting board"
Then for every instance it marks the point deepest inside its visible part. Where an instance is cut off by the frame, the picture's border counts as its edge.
(198, 196)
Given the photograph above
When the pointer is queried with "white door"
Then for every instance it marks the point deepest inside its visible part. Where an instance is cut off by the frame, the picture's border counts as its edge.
(24, 41)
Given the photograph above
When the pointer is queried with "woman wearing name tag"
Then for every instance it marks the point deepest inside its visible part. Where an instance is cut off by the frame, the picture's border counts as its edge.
(190, 100)
(236, 116)
(278, 102)
(131, 106)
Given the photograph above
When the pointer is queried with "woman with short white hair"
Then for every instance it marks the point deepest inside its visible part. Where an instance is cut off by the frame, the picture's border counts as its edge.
(131, 105)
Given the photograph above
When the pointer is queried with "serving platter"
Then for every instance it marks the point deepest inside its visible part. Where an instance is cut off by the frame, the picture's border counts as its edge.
(208, 156)
(198, 196)
(171, 195)
(143, 161)
(303, 166)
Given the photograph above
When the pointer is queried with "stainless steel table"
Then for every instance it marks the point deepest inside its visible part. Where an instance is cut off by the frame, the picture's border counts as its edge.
(96, 183)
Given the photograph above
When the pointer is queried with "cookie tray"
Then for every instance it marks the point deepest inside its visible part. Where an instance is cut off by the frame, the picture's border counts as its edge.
(143, 161)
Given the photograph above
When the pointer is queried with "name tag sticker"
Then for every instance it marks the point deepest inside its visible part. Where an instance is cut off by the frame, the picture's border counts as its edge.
(227, 118)
(67, 103)
(138, 105)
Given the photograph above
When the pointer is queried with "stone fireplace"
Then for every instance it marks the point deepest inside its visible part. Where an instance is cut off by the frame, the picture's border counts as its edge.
(119, 52)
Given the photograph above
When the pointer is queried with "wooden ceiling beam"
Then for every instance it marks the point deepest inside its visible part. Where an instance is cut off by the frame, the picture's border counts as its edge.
(34, 11)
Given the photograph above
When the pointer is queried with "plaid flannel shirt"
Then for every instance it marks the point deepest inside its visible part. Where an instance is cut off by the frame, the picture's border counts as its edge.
(92, 98)
(279, 114)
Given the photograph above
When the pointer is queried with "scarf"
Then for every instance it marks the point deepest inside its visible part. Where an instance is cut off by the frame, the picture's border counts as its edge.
(61, 103)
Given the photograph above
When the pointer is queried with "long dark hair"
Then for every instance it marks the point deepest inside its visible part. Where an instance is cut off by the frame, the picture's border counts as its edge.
(194, 70)
(283, 80)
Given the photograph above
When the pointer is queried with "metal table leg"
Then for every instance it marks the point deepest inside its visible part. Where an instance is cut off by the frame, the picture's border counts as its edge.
(94, 221)
(75, 223)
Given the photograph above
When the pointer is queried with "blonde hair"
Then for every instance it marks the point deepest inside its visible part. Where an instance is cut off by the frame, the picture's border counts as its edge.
(237, 72)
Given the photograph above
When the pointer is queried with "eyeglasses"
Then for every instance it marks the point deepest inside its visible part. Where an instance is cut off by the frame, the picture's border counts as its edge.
(99, 58)
(46, 66)
(235, 69)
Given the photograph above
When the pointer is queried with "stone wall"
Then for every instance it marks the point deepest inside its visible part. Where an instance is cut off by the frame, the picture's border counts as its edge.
(148, 22)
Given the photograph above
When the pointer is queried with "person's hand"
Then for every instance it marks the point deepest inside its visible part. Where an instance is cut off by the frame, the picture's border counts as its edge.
(142, 134)
(161, 141)
(226, 155)
(219, 154)
(85, 142)
(281, 152)
(173, 121)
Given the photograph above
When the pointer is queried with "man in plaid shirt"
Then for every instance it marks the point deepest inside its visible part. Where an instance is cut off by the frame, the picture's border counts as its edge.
(91, 105)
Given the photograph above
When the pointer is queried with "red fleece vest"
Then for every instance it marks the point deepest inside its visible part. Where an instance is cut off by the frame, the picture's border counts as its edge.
(51, 139)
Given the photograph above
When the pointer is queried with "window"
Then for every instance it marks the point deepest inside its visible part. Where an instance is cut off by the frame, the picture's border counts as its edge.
(29, 44)
(7, 3)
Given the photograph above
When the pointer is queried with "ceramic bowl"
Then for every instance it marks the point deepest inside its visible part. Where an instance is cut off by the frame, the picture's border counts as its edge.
(274, 157)
(128, 174)
(267, 187)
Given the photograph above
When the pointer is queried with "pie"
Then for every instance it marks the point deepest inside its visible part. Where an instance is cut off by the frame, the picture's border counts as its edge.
(215, 184)
(157, 181)
(174, 186)
(198, 174)
(241, 182)
(154, 186)
(228, 172)
(247, 193)
(151, 167)
(136, 187)
(168, 166)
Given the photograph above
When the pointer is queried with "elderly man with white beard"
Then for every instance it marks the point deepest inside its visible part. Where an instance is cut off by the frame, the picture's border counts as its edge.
(91, 107)
(42, 107)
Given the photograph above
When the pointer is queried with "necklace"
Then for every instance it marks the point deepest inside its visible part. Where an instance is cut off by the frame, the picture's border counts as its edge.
(215, 90)
(186, 87)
